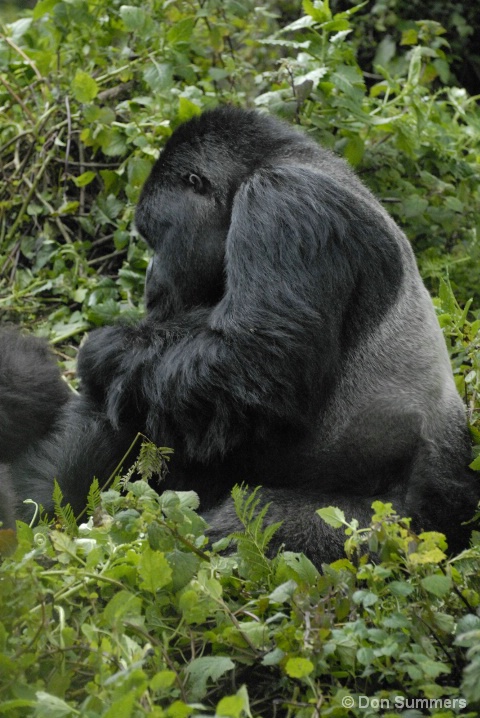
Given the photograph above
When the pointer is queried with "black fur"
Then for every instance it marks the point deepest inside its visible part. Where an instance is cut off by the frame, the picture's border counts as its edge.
(31, 395)
(289, 342)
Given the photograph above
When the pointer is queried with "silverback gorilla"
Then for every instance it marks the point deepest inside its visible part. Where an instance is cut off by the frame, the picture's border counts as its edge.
(288, 342)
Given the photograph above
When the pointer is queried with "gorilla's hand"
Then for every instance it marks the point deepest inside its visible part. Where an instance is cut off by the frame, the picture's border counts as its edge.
(99, 359)
(118, 365)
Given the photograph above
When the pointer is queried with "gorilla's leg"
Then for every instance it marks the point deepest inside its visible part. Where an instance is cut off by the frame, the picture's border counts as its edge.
(81, 446)
(302, 530)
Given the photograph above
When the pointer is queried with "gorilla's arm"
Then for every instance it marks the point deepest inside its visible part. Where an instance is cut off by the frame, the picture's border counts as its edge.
(271, 348)
(82, 444)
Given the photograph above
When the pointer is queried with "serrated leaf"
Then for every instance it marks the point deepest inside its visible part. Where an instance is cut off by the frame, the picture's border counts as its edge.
(154, 570)
(303, 567)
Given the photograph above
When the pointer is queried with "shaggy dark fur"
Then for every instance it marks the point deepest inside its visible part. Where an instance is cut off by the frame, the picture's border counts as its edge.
(289, 342)
(31, 395)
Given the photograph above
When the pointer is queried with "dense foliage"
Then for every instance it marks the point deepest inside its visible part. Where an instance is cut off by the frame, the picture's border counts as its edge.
(130, 614)
(85, 113)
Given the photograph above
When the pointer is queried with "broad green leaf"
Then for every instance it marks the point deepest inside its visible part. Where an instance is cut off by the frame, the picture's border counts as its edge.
(400, 588)
(475, 465)
(332, 516)
(438, 585)
(303, 567)
(365, 598)
(158, 75)
(187, 109)
(162, 680)
(234, 706)
(121, 708)
(154, 570)
(298, 667)
(204, 669)
(42, 7)
(84, 179)
(133, 17)
(84, 87)
(181, 32)
(49, 706)
(319, 10)
(121, 606)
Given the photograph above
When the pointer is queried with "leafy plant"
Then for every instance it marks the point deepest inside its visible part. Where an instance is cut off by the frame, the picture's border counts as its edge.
(135, 614)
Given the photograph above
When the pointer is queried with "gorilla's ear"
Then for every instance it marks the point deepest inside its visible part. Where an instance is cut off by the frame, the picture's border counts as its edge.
(284, 251)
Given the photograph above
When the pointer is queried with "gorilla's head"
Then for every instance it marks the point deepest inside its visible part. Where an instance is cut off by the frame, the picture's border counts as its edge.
(185, 206)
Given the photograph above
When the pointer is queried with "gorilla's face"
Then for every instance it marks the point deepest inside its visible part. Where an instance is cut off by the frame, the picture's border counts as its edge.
(184, 215)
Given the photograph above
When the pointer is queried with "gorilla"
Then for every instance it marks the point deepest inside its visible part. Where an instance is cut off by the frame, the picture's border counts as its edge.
(31, 393)
(289, 342)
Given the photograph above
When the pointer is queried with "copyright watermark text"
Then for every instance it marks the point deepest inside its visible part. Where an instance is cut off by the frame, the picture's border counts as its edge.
(401, 703)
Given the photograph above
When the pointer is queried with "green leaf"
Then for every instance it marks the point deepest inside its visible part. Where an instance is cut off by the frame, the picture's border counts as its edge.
(365, 655)
(283, 593)
(438, 585)
(319, 10)
(50, 706)
(138, 170)
(181, 32)
(401, 588)
(354, 150)
(84, 179)
(84, 87)
(163, 680)
(158, 75)
(124, 605)
(234, 706)
(303, 567)
(134, 18)
(187, 109)
(121, 708)
(298, 667)
(414, 206)
(365, 598)
(154, 570)
(42, 7)
(203, 669)
(475, 465)
(332, 516)
(179, 709)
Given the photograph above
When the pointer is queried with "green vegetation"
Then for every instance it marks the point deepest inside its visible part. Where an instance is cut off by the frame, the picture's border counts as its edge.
(130, 614)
